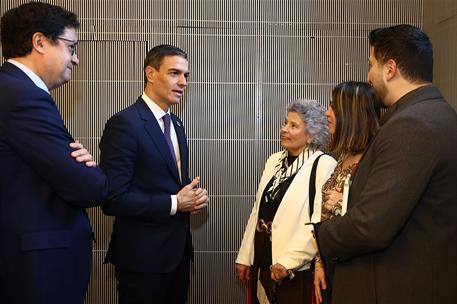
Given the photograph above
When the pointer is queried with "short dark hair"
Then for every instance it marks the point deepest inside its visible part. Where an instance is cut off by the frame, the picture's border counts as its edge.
(19, 24)
(408, 46)
(357, 117)
(155, 56)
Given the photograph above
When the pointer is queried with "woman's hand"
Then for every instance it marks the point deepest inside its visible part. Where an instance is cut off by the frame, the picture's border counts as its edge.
(243, 272)
(278, 272)
(319, 281)
(331, 199)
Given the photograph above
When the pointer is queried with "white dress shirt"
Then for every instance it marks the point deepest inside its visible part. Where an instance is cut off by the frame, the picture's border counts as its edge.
(158, 114)
(34, 77)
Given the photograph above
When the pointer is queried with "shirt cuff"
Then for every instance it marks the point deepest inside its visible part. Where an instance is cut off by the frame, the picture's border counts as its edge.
(174, 205)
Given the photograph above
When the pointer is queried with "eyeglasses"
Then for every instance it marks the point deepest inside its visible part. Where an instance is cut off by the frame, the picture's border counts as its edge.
(72, 46)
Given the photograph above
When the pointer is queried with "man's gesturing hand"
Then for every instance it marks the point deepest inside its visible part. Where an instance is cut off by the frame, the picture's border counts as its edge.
(192, 199)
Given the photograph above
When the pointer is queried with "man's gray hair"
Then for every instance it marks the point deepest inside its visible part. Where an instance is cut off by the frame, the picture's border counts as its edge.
(313, 115)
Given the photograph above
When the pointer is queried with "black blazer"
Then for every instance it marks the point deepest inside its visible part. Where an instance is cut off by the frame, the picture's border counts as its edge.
(397, 242)
(45, 234)
(142, 176)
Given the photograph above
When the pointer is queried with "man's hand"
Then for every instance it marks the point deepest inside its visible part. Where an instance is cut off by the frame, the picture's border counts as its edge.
(278, 272)
(201, 200)
(319, 281)
(192, 199)
(81, 155)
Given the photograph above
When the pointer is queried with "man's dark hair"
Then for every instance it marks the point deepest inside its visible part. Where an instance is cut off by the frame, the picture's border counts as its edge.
(19, 24)
(409, 47)
(155, 56)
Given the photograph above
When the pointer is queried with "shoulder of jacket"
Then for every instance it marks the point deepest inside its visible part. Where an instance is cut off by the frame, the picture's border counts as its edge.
(127, 115)
(274, 157)
(328, 158)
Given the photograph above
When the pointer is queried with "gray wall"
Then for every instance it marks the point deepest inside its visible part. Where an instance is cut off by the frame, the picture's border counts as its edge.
(248, 60)
(440, 23)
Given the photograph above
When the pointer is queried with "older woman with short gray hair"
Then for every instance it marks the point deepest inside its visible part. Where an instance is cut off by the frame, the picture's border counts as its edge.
(313, 115)
(277, 248)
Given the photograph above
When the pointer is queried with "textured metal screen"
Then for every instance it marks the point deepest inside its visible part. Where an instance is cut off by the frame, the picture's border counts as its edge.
(248, 59)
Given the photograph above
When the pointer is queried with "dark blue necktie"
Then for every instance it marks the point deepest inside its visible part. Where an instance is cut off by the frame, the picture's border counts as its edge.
(166, 132)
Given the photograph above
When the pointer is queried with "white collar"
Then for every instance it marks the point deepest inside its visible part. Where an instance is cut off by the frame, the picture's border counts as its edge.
(155, 109)
(34, 77)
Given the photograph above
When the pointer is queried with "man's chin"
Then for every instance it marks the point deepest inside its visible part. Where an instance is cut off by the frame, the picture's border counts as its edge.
(64, 81)
(380, 99)
(382, 105)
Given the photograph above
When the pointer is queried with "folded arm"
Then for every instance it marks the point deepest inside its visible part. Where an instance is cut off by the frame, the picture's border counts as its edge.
(401, 168)
(37, 133)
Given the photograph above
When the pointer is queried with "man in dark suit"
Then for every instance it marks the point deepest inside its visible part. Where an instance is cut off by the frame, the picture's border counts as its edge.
(145, 156)
(397, 243)
(45, 234)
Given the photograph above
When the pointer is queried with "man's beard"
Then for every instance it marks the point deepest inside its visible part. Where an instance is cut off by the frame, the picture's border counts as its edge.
(381, 93)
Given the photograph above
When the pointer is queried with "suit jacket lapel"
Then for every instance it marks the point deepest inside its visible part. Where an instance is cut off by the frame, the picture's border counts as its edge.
(183, 150)
(152, 128)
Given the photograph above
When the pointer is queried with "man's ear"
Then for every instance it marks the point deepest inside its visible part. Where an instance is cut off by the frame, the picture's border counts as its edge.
(391, 69)
(150, 73)
(38, 42)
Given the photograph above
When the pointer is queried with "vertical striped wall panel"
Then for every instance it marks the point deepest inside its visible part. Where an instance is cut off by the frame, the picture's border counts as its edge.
(248, 59)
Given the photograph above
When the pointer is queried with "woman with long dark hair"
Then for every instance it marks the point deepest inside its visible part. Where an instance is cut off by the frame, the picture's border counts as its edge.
(352, 117)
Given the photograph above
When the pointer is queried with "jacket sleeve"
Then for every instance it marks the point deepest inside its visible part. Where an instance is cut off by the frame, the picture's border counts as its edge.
(404, 158)
(302, 248)
(119, 151)
(37, 133)
(246, 252)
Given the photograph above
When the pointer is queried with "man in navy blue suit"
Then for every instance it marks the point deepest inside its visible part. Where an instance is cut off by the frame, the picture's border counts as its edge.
(145, 157)
(47, 180)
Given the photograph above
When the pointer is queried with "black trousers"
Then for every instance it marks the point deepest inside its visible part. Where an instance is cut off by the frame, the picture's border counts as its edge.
(296, 291)
(154, 288)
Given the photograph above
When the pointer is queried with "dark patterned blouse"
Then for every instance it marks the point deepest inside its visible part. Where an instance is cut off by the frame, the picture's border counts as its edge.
(336, 182)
